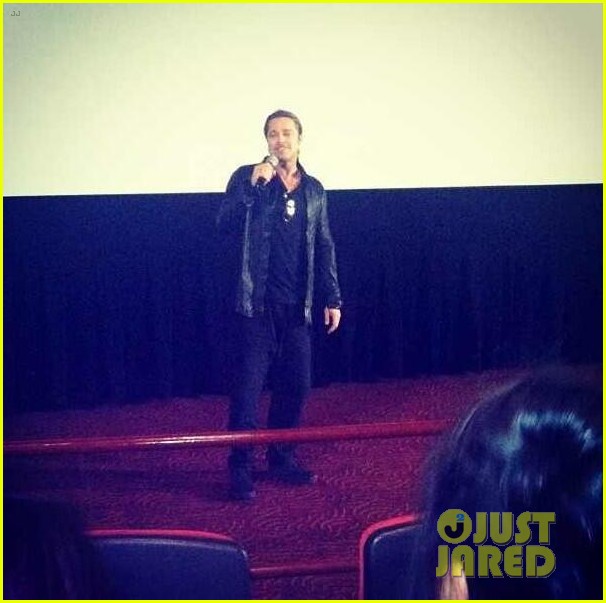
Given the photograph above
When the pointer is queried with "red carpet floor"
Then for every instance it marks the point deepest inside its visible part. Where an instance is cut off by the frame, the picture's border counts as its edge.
(360, 482)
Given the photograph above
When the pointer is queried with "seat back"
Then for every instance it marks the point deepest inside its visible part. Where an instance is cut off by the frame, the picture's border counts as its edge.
(171, 564)
(386, 550)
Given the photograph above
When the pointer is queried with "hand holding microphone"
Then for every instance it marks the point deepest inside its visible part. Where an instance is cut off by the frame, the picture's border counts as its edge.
(264, 172)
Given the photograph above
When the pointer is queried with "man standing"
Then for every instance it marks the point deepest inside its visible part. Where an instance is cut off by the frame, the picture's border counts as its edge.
(279, 213)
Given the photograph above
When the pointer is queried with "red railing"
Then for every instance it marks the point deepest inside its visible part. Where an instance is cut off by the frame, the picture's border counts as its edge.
(262, 437)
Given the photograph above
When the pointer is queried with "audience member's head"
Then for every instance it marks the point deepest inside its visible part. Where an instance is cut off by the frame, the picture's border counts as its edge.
(535, 446)
(46, 554)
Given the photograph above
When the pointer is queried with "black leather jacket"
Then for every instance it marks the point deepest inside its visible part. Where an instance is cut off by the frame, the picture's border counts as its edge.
(248, 212)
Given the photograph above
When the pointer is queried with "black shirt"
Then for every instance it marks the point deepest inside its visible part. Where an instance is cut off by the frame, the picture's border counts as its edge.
(286, 282)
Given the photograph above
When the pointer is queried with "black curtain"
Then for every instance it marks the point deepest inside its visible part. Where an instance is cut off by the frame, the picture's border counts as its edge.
(123, 298)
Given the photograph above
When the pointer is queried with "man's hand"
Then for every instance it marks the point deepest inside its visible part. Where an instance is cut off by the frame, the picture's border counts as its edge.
(332, 318)
(263, 170)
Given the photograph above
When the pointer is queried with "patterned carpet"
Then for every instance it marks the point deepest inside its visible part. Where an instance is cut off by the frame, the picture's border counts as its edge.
(360, 482)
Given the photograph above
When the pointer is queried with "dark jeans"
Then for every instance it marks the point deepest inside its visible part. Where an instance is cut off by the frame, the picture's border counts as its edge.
(278, 339)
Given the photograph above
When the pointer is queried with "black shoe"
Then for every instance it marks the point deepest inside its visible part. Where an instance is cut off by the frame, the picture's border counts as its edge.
(241, 484)
(292, 473)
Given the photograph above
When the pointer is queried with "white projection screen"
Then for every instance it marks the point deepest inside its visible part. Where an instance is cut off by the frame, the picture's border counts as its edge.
(169, 98)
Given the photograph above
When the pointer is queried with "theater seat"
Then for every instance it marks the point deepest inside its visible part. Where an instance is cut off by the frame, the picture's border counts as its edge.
(385, 552)
(171, 564)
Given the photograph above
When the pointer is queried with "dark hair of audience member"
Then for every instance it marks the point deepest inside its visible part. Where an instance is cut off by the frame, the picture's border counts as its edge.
(46, 554)
(535, 446)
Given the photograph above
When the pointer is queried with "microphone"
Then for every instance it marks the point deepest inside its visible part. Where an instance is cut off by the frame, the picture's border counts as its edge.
(262, 182)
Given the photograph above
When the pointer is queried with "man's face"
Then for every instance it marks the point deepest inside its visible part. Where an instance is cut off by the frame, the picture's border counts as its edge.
(283, 139)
